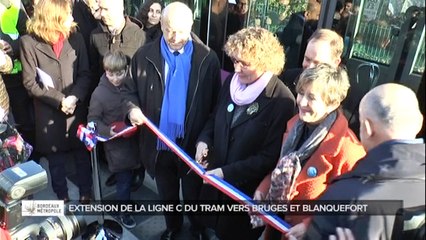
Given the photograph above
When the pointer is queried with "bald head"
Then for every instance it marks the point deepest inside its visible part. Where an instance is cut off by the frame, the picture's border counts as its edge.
(177, 13)
(176, 24)
(389, 111)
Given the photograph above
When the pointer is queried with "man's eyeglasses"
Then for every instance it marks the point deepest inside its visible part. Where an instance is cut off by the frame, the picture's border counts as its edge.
(242, 63)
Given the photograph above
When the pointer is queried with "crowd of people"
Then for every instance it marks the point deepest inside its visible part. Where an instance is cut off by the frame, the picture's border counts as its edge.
(274, 135)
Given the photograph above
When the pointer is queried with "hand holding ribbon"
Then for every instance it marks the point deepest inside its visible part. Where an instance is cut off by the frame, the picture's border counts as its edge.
(136, 116)
(201, 154)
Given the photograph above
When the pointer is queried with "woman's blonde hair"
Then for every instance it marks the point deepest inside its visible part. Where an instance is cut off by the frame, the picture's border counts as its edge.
(332, 82)
(49, 19)
(258, 47)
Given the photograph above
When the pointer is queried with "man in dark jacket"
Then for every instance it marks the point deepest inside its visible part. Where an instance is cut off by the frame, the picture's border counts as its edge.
(324, 46)
(115, 32)
(298, 30)
(175, 82)
(393, 169)
(85, 19)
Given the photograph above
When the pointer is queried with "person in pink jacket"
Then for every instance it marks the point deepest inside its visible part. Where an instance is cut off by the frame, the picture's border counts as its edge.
(318, 145)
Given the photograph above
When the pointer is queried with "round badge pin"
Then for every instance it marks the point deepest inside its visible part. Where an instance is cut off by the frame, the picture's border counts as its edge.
(230, 107)
(312, 172)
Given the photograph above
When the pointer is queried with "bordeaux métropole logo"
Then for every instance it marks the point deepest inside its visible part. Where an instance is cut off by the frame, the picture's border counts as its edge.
(42, 208)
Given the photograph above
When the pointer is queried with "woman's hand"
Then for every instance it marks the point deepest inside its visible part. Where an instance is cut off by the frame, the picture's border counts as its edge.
(216, 172)
(342, 234)
(258, 196)
(68, 104)
(296, 232)
(201, 154)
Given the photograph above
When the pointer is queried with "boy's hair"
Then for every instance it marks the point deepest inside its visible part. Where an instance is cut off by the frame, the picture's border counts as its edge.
(115, 61)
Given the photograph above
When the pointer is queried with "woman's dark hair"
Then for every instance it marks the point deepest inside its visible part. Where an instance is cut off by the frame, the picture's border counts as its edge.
(142, 14)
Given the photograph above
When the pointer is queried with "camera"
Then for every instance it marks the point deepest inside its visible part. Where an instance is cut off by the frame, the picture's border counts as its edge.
(19, 182)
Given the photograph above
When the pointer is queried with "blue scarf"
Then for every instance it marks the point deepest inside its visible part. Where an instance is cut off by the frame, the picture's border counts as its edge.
(173, 109)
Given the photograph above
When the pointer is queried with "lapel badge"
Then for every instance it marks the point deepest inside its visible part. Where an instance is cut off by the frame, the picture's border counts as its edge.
(230, 107)
(253, 108)
(312, 172)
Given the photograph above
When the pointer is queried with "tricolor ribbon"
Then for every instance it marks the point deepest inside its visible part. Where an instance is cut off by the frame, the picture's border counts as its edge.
(89, 138)
(232, 192)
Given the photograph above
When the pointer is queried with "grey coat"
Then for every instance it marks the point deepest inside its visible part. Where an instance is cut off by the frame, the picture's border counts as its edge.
(70, 73)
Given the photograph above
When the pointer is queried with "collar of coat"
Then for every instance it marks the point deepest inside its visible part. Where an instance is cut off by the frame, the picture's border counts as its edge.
(47, 49)
(152, 52)
(391, 160)
(261, 101)
(331, 145)
(128, 26)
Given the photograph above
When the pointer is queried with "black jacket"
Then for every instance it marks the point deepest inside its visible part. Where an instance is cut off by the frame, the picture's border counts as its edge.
(106, 109)
(290, 78)
(86, 23)
(294, 38)
(246, 150)
(146, 90)
(391, 171)
(153, 33)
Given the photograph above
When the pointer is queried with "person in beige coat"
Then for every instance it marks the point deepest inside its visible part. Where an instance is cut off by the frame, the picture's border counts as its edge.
(5, 67)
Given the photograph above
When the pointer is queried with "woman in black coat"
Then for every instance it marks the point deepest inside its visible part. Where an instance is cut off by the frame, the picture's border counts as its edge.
(56, 73)
(150, 14)
(241, 142)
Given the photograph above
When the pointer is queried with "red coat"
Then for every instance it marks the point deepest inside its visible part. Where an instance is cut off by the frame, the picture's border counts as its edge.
(336, 154)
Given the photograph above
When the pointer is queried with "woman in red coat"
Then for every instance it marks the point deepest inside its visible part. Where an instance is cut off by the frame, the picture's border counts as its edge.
(318, 144)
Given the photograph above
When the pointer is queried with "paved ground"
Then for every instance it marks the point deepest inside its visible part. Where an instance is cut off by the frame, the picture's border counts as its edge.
(148, 227)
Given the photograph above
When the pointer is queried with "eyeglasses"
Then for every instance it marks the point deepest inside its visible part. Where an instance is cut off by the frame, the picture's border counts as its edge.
(117, 74)
(242, 63)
